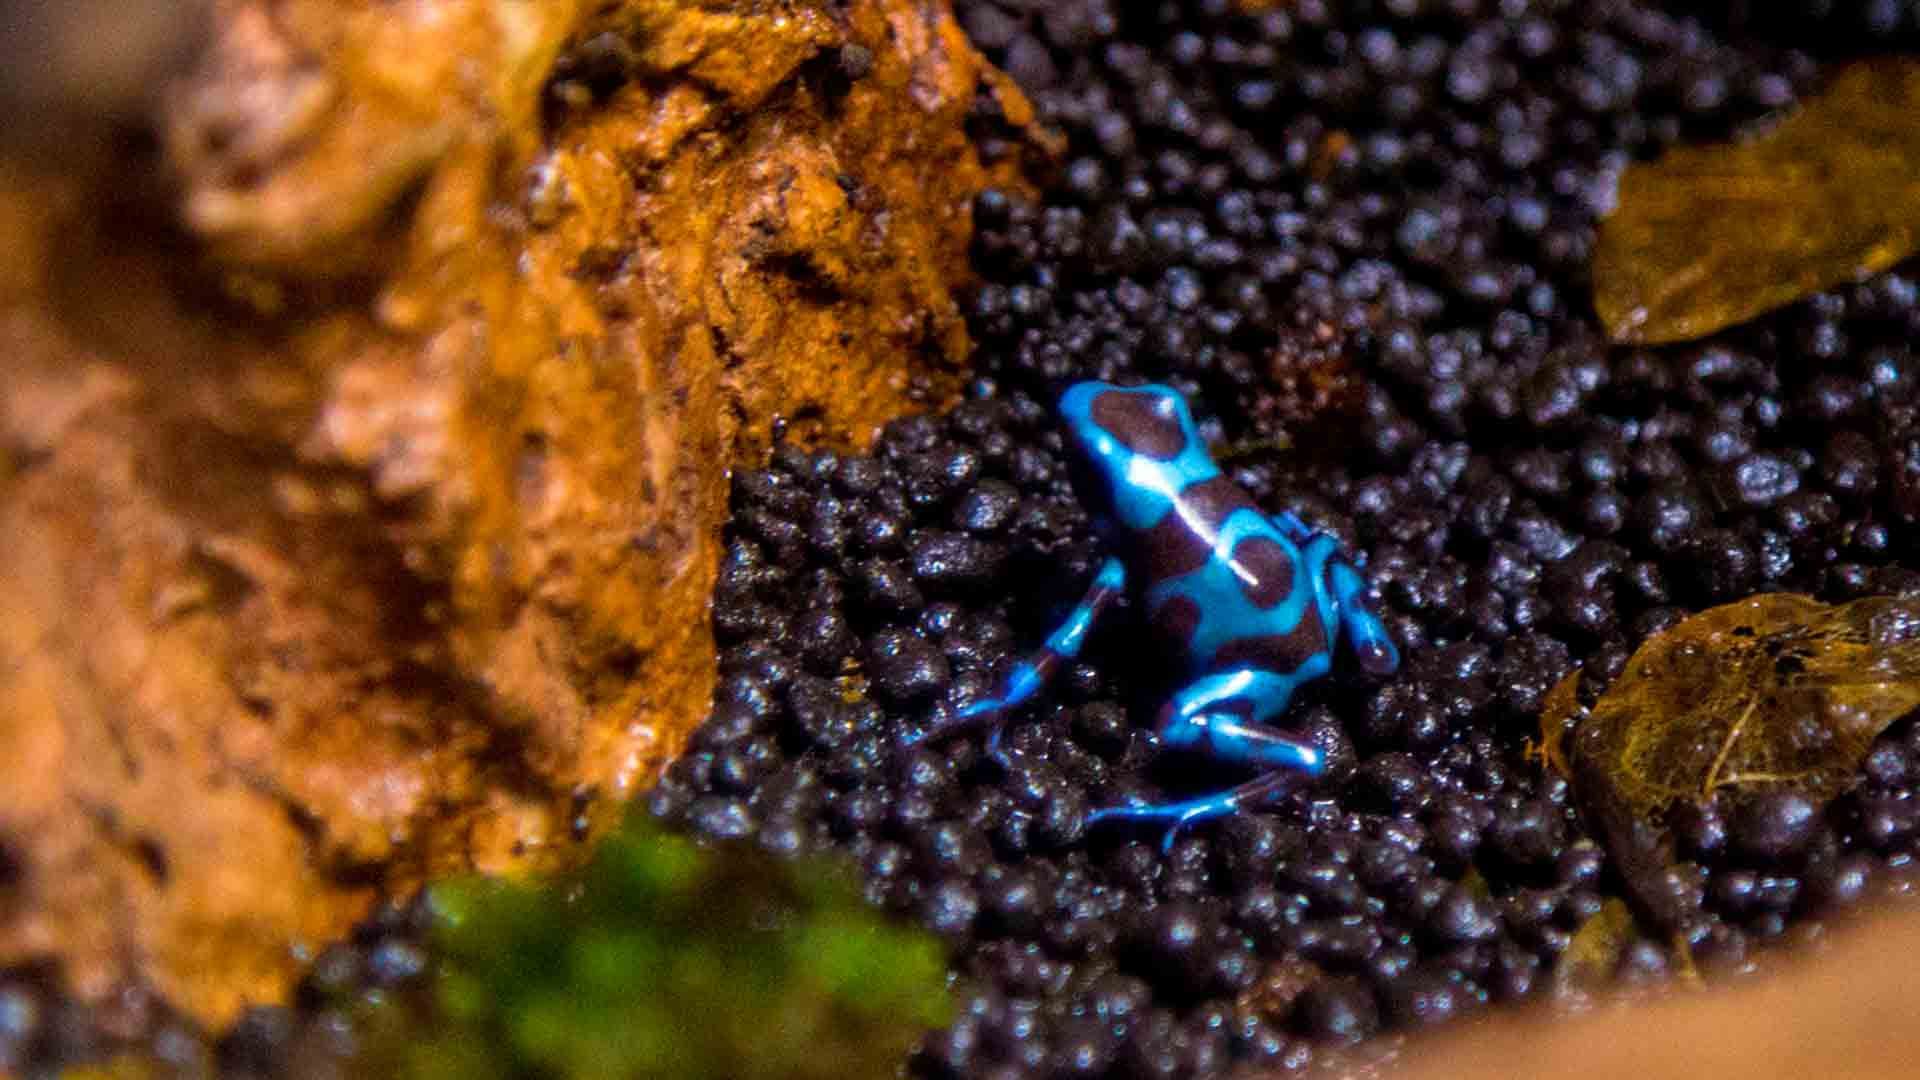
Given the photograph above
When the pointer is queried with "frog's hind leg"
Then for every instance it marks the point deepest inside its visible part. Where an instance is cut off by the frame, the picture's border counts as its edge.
(1222, 717)
(1031, 673)
(1178, 816)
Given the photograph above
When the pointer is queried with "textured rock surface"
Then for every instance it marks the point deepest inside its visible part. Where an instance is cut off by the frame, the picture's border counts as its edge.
(359, 477)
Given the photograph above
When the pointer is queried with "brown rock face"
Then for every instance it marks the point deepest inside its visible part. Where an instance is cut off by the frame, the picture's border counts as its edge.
(363, 447)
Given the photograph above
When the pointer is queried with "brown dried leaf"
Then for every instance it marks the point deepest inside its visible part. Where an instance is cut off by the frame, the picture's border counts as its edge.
(1777, 689)
(1711, 236)
(1279, 985)
(1594, 950)
(1561, 711)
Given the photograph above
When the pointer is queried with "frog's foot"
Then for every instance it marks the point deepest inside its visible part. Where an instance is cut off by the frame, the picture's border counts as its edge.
(1292, 527)
(1032, 673)
(1220, 716)
(1180, 816)
(1366, 635)
(1212, 717)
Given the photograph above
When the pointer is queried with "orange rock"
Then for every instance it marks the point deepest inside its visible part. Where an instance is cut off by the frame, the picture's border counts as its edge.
(359, 494)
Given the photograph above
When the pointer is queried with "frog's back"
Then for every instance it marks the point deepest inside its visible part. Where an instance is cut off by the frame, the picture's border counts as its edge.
(1243, 599)
(1225, 589)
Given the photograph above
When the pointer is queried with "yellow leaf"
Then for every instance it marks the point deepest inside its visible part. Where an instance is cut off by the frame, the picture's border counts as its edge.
(1707, 237)
(1776, 690)
(1558, 715)
(1594, 950)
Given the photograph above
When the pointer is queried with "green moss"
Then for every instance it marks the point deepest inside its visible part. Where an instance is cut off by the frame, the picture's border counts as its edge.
(663, 958)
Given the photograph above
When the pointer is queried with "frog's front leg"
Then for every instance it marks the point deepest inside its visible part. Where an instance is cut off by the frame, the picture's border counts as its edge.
(1293, 528)
(1031, 673)
(1365, 634)
(1223, 716)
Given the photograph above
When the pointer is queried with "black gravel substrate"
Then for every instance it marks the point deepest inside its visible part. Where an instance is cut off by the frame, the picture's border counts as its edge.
(1356, 235)
(1393, 203)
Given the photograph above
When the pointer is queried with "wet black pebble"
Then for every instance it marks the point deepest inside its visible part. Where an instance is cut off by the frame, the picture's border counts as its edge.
(904, 667)
(1774, 827)
(1423, 998)
(1337, 1010)
(1462, 918)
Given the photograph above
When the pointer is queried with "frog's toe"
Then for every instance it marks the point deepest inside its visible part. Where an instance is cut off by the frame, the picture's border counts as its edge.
(1175, 818)
(995, 748)
(1373, 651)
(1376, 656)
(1191, 817)
(1135, 811)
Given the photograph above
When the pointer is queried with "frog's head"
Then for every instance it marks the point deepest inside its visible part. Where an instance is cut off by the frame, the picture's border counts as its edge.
(1120, 429)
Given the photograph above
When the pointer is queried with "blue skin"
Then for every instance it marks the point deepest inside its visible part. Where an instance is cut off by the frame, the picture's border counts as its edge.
(1276, 635)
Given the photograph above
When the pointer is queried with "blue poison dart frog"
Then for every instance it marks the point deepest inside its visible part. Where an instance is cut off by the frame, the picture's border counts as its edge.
(1249, 603)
